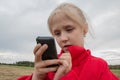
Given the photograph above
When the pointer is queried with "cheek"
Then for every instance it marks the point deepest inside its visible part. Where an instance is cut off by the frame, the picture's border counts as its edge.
(79, 34)
(78, 39)
(58, 41)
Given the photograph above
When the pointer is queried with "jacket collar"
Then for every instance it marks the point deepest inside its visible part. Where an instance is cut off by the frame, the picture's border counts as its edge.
(79, 55)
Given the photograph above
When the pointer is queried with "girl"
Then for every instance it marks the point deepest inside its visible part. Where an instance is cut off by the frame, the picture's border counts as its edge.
(68, 26)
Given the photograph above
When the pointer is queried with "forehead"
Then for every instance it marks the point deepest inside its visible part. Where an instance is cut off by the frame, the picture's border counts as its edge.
(61, 20)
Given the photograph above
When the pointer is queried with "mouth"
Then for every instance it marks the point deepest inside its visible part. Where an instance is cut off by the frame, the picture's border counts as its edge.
(65, 47)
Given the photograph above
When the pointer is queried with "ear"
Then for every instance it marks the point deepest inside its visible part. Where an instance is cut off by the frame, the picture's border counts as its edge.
(85, 29)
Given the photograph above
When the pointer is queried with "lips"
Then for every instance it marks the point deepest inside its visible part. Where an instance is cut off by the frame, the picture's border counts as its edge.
(66, 46)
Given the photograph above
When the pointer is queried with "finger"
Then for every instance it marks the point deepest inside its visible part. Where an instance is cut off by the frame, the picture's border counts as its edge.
(61, 70)
(46, 63)
(36, 48)
(46, 70)
(66, 66)
(58, 74)
(40, 51)
(64, 63)
(66, 51)
(65, 56)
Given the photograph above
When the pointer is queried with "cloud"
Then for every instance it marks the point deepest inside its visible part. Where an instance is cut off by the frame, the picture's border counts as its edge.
(103, 17)
(11, 57)
(111, 56)
(21, 24)
(21, 21)
(61, 1)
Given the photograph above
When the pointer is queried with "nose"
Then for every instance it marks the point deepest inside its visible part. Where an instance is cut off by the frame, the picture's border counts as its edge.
(64, 38)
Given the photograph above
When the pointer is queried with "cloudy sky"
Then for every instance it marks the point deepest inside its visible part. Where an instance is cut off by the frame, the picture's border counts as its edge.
(21, 21)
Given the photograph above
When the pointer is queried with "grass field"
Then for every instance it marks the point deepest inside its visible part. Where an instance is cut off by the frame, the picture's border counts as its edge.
(12, 72)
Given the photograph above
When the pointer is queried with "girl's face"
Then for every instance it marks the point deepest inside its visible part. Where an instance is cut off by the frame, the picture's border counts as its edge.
(67, 32)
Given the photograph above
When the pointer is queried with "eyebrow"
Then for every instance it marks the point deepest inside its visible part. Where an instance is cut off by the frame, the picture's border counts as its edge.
(67, 26)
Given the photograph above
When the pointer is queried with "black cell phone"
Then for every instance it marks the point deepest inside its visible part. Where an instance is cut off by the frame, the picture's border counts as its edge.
(51, 52)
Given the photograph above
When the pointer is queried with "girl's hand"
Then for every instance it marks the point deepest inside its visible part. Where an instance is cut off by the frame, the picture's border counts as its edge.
(41, 68)
(65, 65)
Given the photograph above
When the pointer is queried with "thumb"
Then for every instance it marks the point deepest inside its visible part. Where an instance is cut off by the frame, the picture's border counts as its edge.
(40, 52)
(61, 70)
(59, 73)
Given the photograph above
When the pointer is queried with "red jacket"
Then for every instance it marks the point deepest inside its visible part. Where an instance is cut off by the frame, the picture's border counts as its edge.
(84, 67)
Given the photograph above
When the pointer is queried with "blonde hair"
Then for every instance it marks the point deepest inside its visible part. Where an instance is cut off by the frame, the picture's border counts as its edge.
(69, 10)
